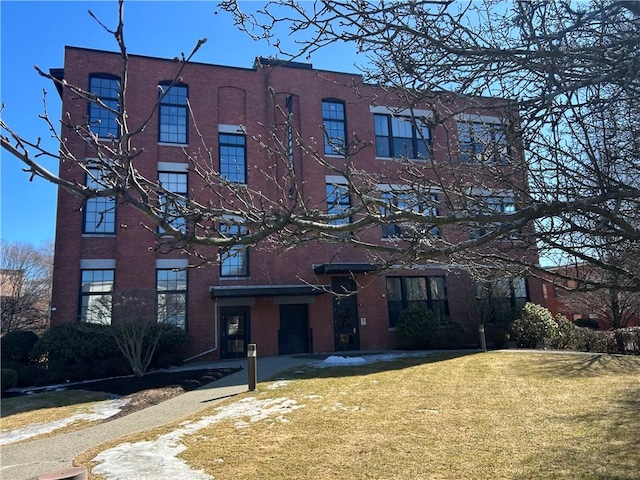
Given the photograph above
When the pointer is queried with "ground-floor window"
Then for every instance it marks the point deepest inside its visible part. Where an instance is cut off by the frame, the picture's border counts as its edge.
(171, 286)
(500, 300)
(407, 292)
(96, 296)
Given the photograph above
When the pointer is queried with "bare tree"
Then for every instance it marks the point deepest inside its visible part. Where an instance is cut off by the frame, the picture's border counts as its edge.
(136, 321)
(535, 182)
(25, 278)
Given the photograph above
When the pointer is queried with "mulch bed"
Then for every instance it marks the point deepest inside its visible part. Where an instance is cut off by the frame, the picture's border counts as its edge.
(184, 379)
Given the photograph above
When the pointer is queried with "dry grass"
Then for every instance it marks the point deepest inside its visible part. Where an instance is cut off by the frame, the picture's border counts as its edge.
(26, 410)
(497, 415)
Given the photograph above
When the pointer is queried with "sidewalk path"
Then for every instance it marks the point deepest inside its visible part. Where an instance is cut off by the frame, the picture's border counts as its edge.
(26, 461)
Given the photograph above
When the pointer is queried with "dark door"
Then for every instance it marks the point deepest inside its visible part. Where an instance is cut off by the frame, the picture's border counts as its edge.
(235, 331)
(293, 336)
(345, 314)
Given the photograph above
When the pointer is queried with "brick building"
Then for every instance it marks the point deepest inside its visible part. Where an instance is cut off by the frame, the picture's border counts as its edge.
(269, 298)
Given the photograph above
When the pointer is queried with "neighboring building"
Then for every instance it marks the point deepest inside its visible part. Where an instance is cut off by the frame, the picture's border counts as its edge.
(565, 294)
(254, 296)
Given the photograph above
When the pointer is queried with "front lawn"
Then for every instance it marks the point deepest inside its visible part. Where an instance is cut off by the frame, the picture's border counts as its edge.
(498, 415)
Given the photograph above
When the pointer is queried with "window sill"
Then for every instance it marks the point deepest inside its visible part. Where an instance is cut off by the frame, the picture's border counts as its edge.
(237, 277)
(99, 235)
(400, 159)
(168, 144)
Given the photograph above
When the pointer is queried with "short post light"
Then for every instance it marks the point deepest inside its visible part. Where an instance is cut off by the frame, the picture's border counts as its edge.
(252, 366)
(483, 338)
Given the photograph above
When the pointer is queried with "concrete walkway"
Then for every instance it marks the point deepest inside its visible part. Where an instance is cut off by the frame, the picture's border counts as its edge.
(28, 460)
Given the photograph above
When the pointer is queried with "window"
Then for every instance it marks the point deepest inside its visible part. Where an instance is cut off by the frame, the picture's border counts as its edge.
(174, 182)
(500, 300)
(234, 262)
(408, 201)
(407, 292)
(482, 142)
(333, 119)
(102, 121)
(489, 205)
(398, 136)
(338, 201)
(96, 296)
(99, 212)
(173, 114)
(233, 157)
(172, 297)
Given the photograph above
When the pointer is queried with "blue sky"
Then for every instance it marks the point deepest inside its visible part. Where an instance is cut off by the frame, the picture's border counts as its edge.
(35, 33)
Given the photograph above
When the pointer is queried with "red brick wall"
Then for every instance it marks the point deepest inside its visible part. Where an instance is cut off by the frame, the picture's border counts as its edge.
(226, 95)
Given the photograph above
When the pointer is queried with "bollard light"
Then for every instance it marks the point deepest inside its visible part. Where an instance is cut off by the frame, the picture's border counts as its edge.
(252, 366)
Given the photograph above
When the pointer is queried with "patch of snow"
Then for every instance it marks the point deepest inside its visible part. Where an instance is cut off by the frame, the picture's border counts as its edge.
(150, 460)
(278, 384)
(98, 412)
(336, 360)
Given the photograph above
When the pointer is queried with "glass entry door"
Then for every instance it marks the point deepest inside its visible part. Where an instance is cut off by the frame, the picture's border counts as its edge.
(235, 331)
(345, 314)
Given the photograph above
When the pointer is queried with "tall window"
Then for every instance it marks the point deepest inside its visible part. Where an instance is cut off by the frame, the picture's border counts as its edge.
(496, 204)
(102, 121)
(407, 292)
(234, 262)
(233, 157)
(338, 201)
(501, 300)
(96, 296)
(398, 136)
(172, 296)
(482, 142)
(425, 204)
(174, 182)
(333, 119)
(99, 212)
(173, 114)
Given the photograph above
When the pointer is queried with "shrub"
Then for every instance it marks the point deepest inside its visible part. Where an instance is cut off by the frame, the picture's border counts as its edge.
(8, 378)
(171, 348)
(591, 323)
(72, 349)
(17, 346)
(535, 325)
(628, 340)
(416, 326)
(497, 336)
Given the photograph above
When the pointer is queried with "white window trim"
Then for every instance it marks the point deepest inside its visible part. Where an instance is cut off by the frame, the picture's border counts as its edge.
(232, 129)
(336, 180)
(97, 264)
(416, 113)
(173, 167)
(171, 263)
(467, 117)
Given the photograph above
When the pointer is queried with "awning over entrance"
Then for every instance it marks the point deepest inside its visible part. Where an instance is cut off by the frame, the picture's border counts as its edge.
(267, 290)
(337, 268)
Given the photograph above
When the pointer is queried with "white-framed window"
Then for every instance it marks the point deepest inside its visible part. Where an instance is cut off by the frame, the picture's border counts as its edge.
(482, 139)
(399, 199)
(488, 204)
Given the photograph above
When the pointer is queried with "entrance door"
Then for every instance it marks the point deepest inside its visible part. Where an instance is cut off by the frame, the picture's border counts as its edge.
(235, 331)
(345, 315)
(293, 336)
